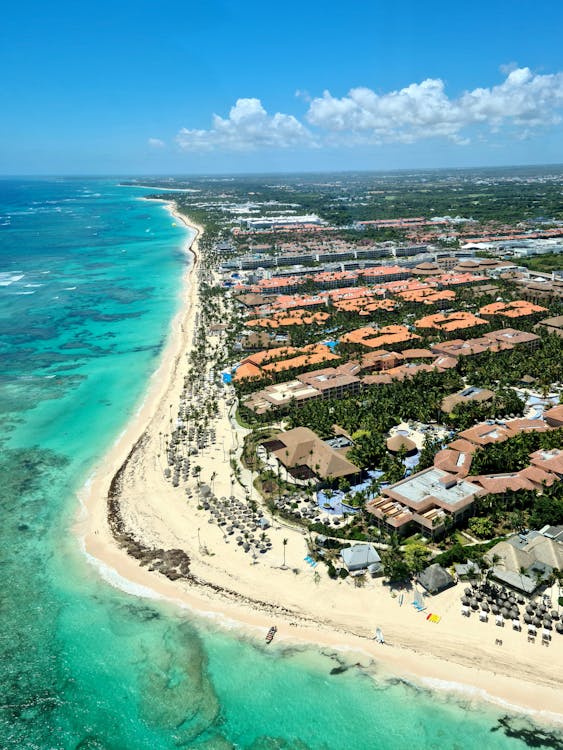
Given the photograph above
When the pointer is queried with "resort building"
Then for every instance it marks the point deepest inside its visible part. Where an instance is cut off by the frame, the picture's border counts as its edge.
(514, 338)
(449, 322)
(489, 432)
(380, 360)
(551, 325)
(526, 560)
(515, 309)
(554, 416)
(270, 361)
(496, 341)
(330, 382)
(296, 317)
(468, 395)
(375, 338)
(360, 558)
(280, 395)
(425, 500)
(334, 382)
(435, 579)
(306, 456)
(380, 274)
(456, 458)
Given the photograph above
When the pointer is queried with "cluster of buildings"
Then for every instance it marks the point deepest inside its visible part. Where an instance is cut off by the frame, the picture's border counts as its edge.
(447, 492)
(374, 367)
(442, 355)
(271, 361)
(335, 279)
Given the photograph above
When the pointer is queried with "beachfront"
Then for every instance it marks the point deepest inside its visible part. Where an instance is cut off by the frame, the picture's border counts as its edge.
(254, 590)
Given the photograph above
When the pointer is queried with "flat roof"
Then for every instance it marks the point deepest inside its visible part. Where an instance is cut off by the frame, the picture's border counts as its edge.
(430, 483)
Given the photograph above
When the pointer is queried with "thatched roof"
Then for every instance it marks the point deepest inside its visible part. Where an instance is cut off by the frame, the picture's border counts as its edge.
(302, 447)
(435, 579)
(401, 442)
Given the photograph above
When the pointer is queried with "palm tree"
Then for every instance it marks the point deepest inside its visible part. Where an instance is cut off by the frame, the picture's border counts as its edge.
(284, 546)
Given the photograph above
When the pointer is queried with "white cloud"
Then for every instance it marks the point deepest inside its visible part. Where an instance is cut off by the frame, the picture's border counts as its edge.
(247, 127)
(423, 110)
(156, 143)
(521, 104)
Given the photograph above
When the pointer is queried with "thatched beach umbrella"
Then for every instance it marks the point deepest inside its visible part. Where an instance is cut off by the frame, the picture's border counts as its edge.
(559, 627)
(554, 614)
(495, 609)
(468, 591)
(547, 624)
(537, 622)
(530, 609)
(527, 619)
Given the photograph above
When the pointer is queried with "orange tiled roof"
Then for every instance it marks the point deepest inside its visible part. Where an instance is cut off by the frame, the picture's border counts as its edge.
(379, 337)
(515, 309)
(450, 321)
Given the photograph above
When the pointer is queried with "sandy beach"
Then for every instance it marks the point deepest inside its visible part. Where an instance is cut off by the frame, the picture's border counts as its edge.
(228, 585)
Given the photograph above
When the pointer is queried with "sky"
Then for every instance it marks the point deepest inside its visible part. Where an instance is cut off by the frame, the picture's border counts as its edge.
(223, 86)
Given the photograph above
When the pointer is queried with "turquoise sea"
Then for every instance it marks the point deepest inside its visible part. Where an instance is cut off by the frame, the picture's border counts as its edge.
(89, 281)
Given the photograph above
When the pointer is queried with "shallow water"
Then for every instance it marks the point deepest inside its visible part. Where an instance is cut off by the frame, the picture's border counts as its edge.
(86, 298)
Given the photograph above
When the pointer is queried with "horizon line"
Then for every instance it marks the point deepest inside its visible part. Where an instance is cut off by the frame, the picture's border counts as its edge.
(134, 175)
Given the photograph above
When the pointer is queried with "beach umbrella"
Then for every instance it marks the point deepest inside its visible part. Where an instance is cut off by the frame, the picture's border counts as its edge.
(468, 591)
(520, 600)
(514, 614)
(547, 624)
(527, 619)
(554, 614)
(537, 622)
(494, 609)
(559, 627)
(530, 609)
(485, 607)
(504, 611)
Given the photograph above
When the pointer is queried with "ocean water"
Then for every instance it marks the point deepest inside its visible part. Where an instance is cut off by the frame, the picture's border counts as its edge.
(89, 281)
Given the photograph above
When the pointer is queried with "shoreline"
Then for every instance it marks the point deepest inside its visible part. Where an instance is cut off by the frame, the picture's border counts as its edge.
(232, 592)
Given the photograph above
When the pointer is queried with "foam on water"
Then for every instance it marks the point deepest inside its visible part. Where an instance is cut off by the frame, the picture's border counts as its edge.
(9, 278)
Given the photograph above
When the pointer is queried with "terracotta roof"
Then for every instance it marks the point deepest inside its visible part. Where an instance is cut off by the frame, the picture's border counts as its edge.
(450, 321)
(554, 416)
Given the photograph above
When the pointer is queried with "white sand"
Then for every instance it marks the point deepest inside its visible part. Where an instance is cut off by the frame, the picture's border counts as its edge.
(456, 653)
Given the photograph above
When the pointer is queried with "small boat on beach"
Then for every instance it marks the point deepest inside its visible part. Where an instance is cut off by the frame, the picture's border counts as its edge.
(271, 633)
